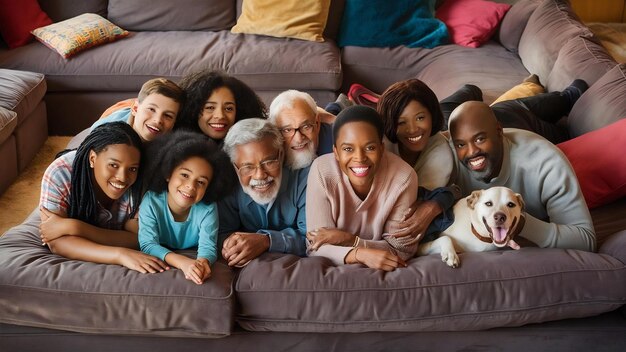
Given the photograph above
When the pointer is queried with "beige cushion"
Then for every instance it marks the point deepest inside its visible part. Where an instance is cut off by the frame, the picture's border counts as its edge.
(301, 19)
(522, 90)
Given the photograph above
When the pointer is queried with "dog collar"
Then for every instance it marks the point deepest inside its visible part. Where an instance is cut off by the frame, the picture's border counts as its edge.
(479, 236)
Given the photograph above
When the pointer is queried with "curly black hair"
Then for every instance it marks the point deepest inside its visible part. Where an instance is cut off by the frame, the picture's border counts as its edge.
(169, 151)
(200, 85)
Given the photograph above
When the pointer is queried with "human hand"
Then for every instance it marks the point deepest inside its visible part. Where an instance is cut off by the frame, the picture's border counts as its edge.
(416, 220)
(324, 236)
(196, 270)
(141, 262)
(513, 244)
(53, 226)
(375, 259)
(241, 247)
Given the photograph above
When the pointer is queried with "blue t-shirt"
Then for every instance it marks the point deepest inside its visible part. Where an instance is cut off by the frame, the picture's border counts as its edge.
(159, 233)
(119, 115)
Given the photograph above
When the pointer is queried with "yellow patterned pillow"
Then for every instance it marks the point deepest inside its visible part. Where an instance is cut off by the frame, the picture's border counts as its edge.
(300, 19)
(79, 33)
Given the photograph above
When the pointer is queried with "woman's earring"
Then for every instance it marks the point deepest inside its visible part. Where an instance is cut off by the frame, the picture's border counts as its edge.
(91, 165)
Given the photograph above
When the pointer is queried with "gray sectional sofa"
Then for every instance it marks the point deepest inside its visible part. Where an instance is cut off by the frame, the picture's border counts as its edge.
(532, 299)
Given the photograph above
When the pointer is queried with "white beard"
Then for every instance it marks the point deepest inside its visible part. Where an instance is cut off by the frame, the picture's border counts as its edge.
(301, 158)
(267, 196)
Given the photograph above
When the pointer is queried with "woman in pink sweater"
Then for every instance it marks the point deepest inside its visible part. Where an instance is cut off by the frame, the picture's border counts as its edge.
(357, 195)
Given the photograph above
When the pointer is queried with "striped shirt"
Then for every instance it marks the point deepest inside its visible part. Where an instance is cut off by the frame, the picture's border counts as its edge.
(55, 194)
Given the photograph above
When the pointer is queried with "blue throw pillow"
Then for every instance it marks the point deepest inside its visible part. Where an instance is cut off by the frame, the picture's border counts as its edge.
(387, 23)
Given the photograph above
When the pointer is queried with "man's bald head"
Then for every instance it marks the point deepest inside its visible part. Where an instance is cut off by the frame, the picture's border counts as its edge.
(477, 138)
(472, 112)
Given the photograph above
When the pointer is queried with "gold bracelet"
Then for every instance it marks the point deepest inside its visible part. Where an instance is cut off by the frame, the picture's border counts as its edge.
(356, 241)
(355, 258)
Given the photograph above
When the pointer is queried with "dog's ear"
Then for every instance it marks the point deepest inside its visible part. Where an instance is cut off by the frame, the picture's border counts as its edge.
(520, 200)
(473, 198)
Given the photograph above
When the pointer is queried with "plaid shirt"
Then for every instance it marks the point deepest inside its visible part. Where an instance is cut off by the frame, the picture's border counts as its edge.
(55, 194)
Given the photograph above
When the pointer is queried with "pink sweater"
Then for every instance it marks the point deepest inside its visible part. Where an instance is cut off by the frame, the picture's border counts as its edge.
(332, 203)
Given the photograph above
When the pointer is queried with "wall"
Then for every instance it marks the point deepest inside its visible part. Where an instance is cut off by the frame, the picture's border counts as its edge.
(600, 10)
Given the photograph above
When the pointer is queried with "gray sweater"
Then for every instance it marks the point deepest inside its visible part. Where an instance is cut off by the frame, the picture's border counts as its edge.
(556, 213)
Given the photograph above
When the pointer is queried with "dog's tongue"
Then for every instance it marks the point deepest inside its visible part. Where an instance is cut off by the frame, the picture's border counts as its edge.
(499, 234)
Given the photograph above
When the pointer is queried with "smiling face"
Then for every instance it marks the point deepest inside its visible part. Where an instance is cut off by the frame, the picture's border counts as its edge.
(219, 113)
(300, 128)
(477, 139)
(259, 168)
(154, 116)
(415, 124)
(187, 185)
(114, 171)
(358, 150)
(497, 212)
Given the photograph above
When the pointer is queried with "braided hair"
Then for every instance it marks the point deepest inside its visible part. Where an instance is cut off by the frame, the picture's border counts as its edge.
(83, 204)
(169, 151)
(200, 85)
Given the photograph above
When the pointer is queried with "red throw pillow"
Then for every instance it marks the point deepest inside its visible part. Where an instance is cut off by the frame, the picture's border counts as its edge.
(471, 22)
(18, 18)
(598, 160)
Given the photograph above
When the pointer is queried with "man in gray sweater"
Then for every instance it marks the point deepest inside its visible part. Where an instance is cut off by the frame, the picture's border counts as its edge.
(488, 156)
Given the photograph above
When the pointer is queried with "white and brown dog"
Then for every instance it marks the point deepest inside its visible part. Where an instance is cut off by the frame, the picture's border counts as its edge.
(483, 221)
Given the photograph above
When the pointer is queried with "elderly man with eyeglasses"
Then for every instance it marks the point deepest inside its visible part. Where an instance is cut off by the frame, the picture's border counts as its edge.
(267, 213)
(298, 119)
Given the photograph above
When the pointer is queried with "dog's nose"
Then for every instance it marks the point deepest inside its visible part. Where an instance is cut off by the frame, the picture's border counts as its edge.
(499, 217)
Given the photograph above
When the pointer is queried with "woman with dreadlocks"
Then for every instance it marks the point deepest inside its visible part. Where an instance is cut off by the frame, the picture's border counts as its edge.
(89, 199)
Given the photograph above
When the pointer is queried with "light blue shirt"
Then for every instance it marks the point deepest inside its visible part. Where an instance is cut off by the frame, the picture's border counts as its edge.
(284, 220)
(118, 115)
(159, 232)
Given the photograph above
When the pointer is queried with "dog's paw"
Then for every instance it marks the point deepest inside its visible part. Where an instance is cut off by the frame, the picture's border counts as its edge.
(450, 258)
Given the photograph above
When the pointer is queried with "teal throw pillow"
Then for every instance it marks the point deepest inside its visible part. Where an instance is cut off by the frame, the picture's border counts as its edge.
(388, 23)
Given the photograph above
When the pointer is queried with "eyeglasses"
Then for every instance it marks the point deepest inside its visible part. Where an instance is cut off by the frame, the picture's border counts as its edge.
(305, 128)
(267, 166)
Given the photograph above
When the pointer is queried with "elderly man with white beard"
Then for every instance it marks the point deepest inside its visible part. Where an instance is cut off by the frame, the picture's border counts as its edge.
(267, 212)
(298, 119)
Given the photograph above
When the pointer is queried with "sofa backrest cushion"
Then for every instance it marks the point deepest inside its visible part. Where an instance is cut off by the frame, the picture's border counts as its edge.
(60, 10)
(549, 27)
(167, 15)
(514, 22)
(582, 58)
(602, 104)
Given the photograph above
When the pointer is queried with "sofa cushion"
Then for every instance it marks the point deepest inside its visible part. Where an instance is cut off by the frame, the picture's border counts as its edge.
(300, 19)
(444, 68)
(549, 28)
(471, 22)
(61, 10)
(277, 64)
(514, 23)
(167, 15)
(582, 58)
(21, 91)
(8, 121)
(602, 104)
(501, 288)
(407, 22)
(82, 32)
(38, 288)
(597, 157)
(522, 90)
(18, 18)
